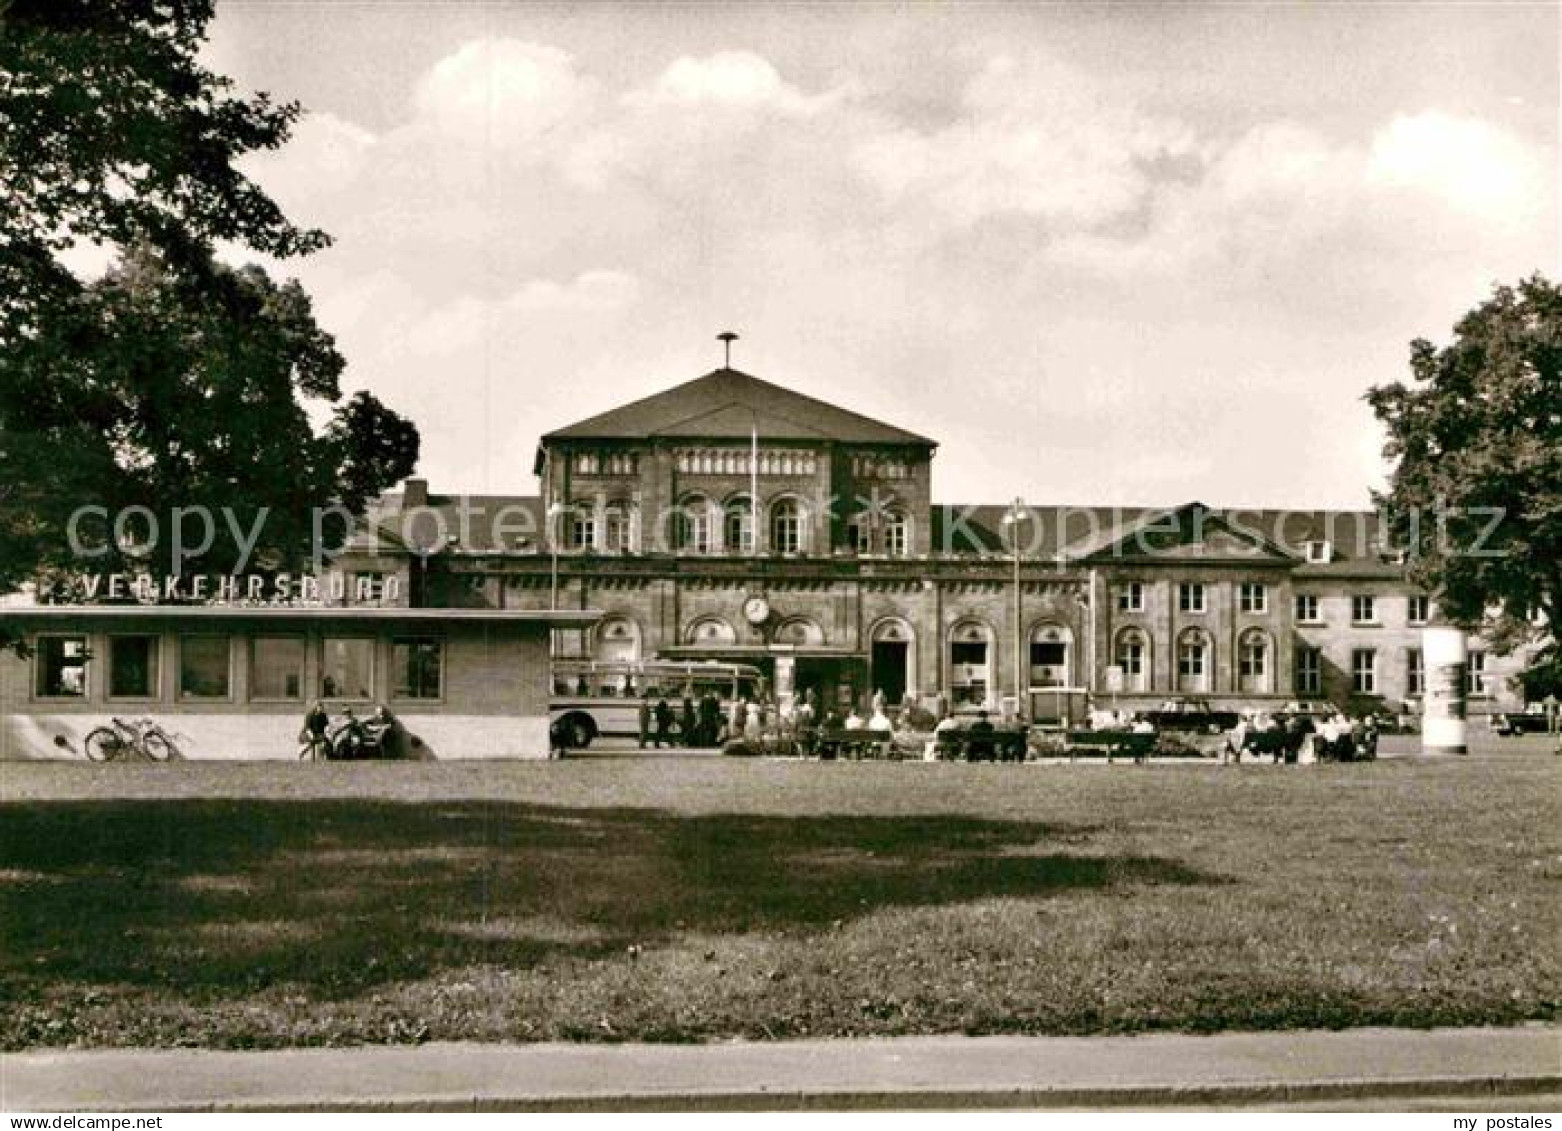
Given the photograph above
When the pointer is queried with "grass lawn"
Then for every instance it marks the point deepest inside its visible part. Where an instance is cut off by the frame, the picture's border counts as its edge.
(692, 899)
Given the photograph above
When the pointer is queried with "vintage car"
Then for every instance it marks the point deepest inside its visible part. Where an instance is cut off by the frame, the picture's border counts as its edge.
(1510, 723)
(1196, 715)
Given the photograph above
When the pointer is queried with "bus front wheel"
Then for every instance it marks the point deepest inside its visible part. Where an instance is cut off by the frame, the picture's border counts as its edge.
(576, 731)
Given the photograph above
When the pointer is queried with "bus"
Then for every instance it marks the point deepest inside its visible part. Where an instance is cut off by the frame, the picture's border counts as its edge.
(594, 698)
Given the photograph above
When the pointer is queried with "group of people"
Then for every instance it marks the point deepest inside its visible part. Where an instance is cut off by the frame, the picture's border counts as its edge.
(694, 724)
(351, 738)
(797, 723)
(1333, 738)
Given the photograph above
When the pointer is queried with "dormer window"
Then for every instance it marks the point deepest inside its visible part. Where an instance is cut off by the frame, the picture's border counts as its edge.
(1320, 551)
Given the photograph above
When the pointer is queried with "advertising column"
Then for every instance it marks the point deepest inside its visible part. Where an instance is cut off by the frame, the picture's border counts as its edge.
(1443, 722)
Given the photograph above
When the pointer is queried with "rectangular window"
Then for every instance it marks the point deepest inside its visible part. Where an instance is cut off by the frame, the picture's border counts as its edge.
(1130, 657)
(1417, 609)
(61, 667)
(1130, 598)
(1255, 660)
(1254, 597)
(1364, 671)
(417, 665)
(347, 668)
(1190, 597)
(1307, 608)
(1309, 671)
(1475, 670)
(276, 669)
(1364, 609)
(204, 667)
(1319, 552)
(1415, 672)
(132, 667)
(859, 538)
(583, 532)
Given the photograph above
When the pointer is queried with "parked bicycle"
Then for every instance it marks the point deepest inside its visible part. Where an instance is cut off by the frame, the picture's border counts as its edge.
(133, 738)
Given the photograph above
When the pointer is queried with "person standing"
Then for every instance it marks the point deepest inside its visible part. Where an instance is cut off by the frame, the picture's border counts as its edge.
(688, 724)
(710, 718)
(645, 719)
(664, 724)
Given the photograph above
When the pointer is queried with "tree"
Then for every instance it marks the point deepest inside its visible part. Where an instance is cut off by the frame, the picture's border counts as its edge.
(1475, 496)
(174, 380)
(142, 393)
(112, 132)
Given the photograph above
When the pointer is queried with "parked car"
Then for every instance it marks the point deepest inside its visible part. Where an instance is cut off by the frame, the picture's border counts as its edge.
(1195, 715)
(1510, 723)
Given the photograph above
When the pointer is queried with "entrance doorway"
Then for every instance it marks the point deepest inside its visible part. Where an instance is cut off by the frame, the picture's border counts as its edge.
(889, 668)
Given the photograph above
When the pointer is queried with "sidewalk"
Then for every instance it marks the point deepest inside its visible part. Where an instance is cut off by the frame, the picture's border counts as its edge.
(1234, 1069)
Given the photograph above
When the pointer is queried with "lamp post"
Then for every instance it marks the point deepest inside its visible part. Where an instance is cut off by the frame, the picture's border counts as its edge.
(555, 510)
(1012, 519)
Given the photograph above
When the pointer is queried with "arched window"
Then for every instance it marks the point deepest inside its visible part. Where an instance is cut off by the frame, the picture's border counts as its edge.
(1255, 667)
(1195, 661)
(786, 527)
(617, 640)
(582, 526)
(1132, 654)
(738, 526)
(618, 526)
(970, 664)
(897, 534)
(692, 526)
(709, 630)
(1049, 655)
(799, 631)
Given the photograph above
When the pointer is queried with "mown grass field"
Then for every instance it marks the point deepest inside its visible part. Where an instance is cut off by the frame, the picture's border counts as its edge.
(695, 899)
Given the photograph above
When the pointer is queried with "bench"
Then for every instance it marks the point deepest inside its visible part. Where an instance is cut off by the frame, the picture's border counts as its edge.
(1135, 744)
(842, 743)
(1007, 745)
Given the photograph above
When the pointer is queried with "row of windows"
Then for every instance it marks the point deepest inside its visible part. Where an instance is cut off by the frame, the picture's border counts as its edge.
(205, 667)
(738, 461)
(605, 463)
(880, 467)
(1364, 672)
(697, 519)
(1195, 660)
(1253, 597)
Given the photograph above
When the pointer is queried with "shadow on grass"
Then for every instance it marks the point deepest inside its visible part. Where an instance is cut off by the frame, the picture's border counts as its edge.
(226, 897)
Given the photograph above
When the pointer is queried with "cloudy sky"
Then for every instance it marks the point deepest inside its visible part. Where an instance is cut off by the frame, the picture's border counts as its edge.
(1132, 255)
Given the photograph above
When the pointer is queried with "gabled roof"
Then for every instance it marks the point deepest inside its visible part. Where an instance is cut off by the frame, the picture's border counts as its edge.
(1191, 531)
(727, 403)
(472, 524)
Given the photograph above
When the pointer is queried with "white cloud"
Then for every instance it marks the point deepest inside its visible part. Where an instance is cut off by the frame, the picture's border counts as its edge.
(468, 319)
(504, 91)
(1475, 167)
(733, 80)
(1038, 140)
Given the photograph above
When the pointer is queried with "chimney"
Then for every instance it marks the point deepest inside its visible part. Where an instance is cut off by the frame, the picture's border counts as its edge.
(414, 494)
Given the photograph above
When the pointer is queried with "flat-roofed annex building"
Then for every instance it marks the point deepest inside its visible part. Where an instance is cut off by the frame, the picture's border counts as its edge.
(732, 518)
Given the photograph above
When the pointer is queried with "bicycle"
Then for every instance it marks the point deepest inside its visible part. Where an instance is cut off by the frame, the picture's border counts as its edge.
(137, 738)
(313, 747)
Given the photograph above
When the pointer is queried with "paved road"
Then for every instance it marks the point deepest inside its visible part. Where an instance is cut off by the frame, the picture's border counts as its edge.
(1507, 1070)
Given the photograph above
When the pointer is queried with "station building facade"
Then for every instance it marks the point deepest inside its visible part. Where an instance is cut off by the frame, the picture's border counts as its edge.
(731, 518)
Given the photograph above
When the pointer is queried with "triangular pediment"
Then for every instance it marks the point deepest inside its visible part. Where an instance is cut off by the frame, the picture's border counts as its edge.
(739, 420)
(1189, 533)
(729, 403)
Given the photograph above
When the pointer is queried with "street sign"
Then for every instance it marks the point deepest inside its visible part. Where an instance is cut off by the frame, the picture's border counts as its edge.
(1114, 678)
